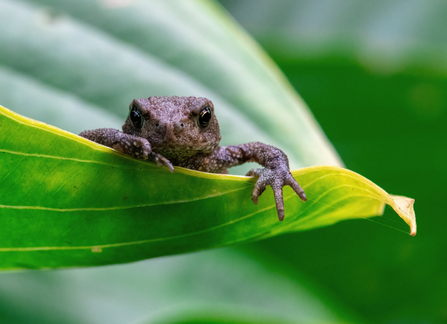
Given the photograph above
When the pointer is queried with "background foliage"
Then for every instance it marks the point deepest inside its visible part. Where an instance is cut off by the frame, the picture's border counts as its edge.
(373, 76)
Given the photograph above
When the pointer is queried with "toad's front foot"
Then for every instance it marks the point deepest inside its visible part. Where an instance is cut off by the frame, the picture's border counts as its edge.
(277, 178)
(161, 160)
(140, 148)
(137, 147)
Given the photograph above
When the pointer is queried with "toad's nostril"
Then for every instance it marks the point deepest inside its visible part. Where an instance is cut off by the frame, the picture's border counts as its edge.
(178, 127)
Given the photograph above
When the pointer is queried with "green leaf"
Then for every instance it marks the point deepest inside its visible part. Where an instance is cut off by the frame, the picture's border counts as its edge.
(66, 201)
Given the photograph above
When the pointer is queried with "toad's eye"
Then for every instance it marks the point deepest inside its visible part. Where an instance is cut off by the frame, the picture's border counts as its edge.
(204, 117)
(135, 117)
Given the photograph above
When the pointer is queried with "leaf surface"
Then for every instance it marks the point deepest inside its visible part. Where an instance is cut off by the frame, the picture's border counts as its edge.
(66, 201)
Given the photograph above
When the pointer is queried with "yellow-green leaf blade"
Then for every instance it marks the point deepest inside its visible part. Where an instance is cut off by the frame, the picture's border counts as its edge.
(365, 199)
(65, 201)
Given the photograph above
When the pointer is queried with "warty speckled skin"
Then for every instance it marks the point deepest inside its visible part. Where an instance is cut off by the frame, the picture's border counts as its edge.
(183, 131)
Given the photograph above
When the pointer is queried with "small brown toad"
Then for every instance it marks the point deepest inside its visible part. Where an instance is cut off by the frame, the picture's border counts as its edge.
(184, 131)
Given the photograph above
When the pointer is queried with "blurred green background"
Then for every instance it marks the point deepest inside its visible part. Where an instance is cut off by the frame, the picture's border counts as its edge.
(374, 75)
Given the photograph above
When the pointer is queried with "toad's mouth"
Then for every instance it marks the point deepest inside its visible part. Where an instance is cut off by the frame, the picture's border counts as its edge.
(182, 152)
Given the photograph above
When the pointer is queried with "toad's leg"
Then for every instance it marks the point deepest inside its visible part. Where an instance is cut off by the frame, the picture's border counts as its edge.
(276, 171)
(135, 146)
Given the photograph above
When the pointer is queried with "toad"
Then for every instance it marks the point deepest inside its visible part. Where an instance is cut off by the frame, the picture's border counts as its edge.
(183, 131)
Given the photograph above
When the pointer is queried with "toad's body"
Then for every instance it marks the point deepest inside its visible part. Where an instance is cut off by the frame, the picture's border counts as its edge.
(184, 131)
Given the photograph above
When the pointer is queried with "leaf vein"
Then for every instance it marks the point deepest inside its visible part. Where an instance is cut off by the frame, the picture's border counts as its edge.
(119, 207)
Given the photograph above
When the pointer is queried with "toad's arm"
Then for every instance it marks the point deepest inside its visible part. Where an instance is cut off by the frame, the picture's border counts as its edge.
(135, 146)
(276, 172)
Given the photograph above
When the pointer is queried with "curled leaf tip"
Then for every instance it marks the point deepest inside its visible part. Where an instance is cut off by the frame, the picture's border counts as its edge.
(404, 208)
